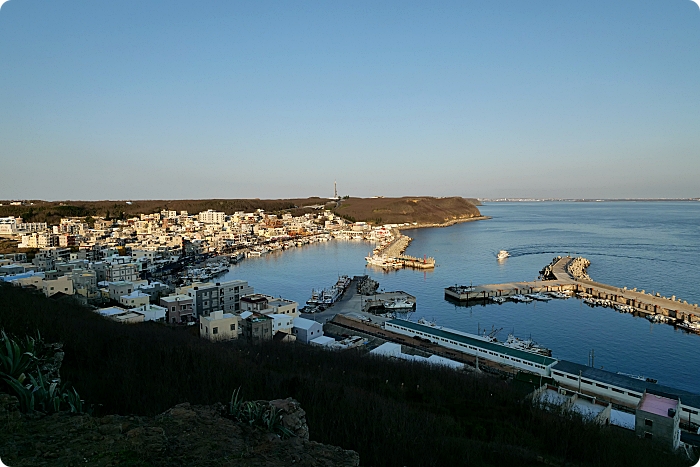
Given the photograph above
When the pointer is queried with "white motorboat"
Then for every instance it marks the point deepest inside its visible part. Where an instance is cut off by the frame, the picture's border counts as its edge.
(688, 326)
(540, 296)
(398, 304)
(503, 254)
(498, 300)
(521, 298)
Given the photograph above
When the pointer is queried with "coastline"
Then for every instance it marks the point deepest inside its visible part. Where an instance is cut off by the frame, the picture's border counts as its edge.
(444, 224)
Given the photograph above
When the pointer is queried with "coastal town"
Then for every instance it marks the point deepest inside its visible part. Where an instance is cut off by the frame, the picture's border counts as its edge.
(164, 266)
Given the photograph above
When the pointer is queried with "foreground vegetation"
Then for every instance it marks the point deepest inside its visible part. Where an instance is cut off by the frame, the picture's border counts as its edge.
(392, 413)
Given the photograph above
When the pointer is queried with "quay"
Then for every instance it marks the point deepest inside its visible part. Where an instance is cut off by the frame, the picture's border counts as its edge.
(568, 278)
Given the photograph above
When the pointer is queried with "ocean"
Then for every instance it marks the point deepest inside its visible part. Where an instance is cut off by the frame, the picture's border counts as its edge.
(648, 245)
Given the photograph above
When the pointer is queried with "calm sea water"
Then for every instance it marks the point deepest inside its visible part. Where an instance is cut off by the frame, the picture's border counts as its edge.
(649, 245)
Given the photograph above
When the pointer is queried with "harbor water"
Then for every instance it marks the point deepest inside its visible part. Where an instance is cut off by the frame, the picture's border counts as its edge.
(648, 245)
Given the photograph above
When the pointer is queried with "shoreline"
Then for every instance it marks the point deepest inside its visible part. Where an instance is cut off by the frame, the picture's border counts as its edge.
(445, 224)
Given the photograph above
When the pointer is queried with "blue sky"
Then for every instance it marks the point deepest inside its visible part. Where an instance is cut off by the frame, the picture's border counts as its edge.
(174, 99)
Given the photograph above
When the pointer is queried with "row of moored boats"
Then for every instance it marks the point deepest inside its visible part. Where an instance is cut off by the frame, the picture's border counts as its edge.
(527, 298)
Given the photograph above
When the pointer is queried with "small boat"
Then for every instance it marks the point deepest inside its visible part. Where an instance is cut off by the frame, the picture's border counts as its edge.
(521, 298)
(503, 254)
(540, 296)
(558, 295)
(689, 327)
(398, 304)
(498, 300)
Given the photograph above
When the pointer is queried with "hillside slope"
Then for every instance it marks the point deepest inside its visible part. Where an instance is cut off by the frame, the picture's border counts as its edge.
(392, 413)
(421, 209)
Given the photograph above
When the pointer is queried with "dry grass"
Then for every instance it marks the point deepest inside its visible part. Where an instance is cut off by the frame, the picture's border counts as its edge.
(421, 209)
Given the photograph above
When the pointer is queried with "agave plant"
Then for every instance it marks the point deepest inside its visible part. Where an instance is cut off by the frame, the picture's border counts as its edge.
(258, 413)
(15, 360)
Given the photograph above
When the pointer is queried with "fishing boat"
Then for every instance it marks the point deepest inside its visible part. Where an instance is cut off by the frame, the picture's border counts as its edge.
(503, 254)
(528, 345)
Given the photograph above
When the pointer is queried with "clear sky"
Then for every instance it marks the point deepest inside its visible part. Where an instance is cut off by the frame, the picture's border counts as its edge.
(195, 99)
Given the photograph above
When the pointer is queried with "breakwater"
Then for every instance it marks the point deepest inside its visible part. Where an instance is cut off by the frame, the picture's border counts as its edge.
(389, 255)
(567, 274)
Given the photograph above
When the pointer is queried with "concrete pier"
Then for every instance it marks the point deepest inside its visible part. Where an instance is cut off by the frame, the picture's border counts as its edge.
(642, 302)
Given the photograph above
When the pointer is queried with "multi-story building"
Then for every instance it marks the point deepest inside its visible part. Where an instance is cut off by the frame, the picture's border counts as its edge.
(62, 284)
(84, 282)
(224, 296)
(257, 327)
(116, 268)
(267, 304)
(179, 308)
(219, 326)
(119, 288)
(211, 217)
(657, 418)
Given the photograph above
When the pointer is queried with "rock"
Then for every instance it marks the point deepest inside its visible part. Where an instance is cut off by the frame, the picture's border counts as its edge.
(183, 435)
(293, 416)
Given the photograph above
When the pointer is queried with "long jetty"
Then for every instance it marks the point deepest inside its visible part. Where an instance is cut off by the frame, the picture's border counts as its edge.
(392, 254)
(564, 280)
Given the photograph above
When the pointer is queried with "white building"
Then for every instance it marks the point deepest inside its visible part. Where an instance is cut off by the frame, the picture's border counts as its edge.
(306, 330)
(135, 299)
(211, 217)
(151, 312)
(281, 323)
(8, 226)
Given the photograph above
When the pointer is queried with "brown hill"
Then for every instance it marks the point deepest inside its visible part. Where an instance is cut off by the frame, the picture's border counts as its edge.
(421, 209)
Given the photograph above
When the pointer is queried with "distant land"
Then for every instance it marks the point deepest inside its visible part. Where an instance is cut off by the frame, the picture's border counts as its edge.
(420, 209)
(579, 200)
(423, 210)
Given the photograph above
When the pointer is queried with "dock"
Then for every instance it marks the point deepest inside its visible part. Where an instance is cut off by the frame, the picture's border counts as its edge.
(390, 256)
(564, 280)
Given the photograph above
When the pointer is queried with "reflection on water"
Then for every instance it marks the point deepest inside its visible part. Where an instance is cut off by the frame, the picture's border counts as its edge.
(650, 246)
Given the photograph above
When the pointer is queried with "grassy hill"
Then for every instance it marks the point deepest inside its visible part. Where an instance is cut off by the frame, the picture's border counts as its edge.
(421, 209)
(393, 413)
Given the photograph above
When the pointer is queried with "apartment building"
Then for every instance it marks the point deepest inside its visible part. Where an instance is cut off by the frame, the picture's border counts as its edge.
(116, 268)
(211, 217)
(179, 308)
(257, 327)
(224, 296)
